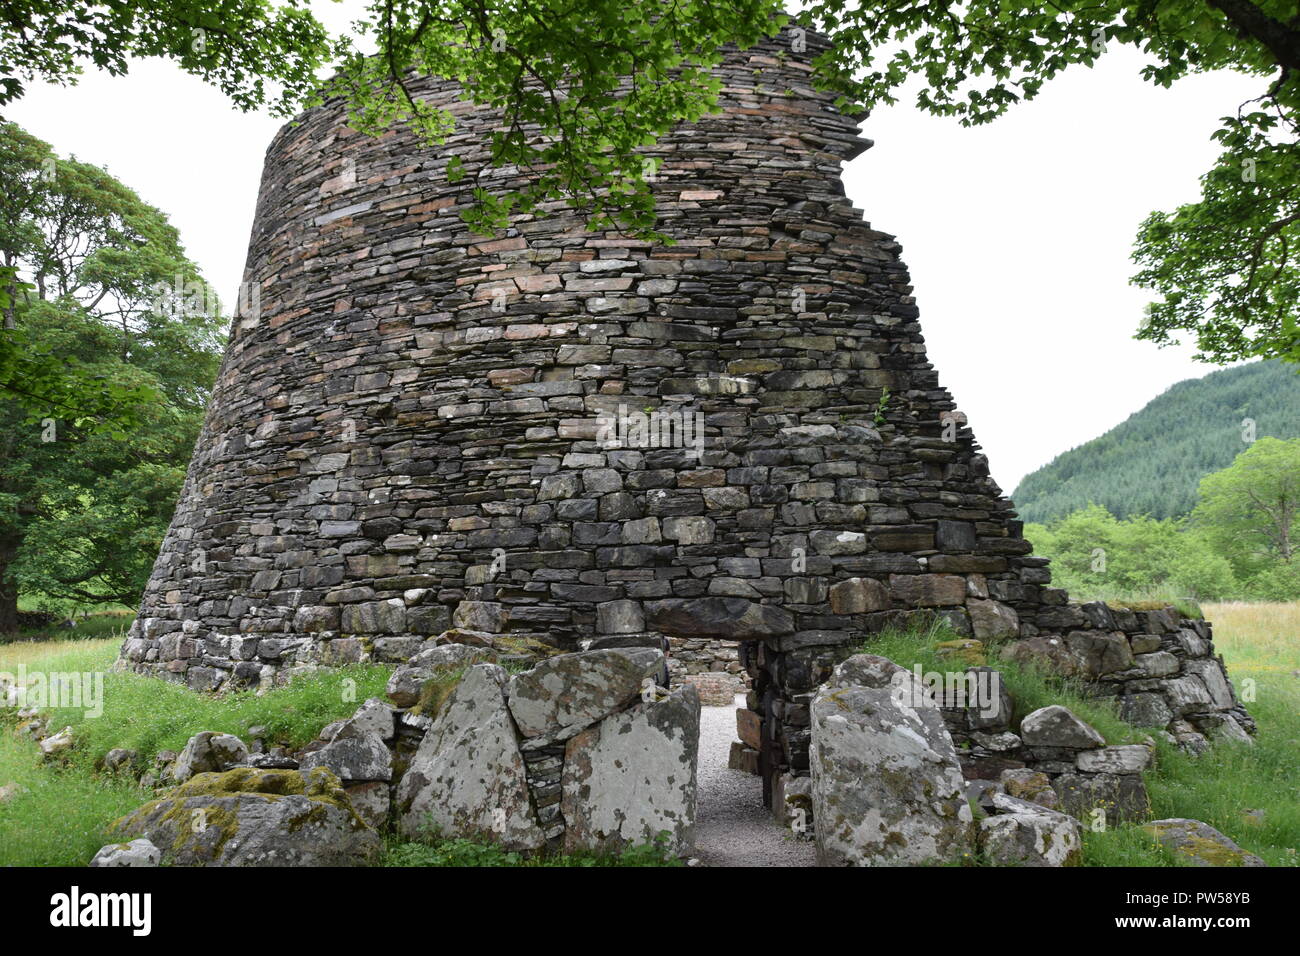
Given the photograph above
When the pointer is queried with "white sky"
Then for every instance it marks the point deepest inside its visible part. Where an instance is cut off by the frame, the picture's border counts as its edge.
(1017, 234)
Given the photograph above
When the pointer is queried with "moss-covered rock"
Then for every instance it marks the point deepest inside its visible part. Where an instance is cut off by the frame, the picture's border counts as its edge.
(965, 649)
(252, 817)
(1199, 844)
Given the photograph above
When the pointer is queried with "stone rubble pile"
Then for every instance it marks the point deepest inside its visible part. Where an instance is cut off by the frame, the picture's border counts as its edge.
(1050, 748)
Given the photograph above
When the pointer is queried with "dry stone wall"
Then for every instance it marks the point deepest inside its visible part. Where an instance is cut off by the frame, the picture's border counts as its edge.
(583, 440)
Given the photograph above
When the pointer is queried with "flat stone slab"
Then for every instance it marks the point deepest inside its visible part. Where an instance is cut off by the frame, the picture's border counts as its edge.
(729, 618)
(887, 788)
(1199, 844)
(561, 696)
(632, 778)
(467, 779)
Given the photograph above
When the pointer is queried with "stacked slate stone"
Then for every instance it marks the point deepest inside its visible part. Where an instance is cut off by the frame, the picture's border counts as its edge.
(716, 689)
(691, 658)
(1159, 667)
(584, 440)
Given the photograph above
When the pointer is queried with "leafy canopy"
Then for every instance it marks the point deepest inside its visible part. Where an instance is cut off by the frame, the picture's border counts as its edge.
(246, 48)
(581, 86)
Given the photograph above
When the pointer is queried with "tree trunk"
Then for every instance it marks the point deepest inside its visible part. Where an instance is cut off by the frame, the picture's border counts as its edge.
(1250, 21)
(8, 590)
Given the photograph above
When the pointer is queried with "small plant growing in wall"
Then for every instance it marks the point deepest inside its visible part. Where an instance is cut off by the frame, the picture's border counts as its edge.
(882, 405)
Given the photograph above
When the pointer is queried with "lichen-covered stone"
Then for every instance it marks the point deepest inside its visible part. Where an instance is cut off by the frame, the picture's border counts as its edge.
(353, 757)
(209, 752)
(886, 785)
(1027, 834)
(1127, 758)
(1199, 844)
(565, 694)
(1031, 785)
(408, 681)
(1121, 797)
(135, 853)
(631, 779)
(1056, 726)
(992, 620)
(372, 717)
(467, 777)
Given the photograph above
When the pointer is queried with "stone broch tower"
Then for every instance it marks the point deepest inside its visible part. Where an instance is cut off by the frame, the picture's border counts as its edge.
(407, 436)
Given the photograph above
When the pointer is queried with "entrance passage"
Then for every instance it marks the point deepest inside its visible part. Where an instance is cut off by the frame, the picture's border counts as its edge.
(732, 827)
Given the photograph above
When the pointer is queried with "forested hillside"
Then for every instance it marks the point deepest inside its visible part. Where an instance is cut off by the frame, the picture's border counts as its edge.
(1151, 463)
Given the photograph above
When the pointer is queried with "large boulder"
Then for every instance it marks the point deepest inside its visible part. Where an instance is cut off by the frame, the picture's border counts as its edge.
(249, 817)
(732, 618)
(467, 779)
(566, 694)
(631, 777)
(1199, 844)
(887, 788)
(1027, 834)
(209, 752)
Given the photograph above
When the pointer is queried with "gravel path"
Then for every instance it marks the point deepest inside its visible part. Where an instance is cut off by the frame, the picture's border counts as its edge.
(732, 828)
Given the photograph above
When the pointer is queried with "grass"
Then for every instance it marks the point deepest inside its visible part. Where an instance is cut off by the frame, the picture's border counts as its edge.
(1249, 793)
(102, 624)
(469, 853)
(1149, 600)
(1029, 687)
(63, 816)
(59, 817)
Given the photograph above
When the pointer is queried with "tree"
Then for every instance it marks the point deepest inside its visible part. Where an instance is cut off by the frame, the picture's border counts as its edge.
(1249, 508)
(237, 45)
(112, 295)
(38, 196)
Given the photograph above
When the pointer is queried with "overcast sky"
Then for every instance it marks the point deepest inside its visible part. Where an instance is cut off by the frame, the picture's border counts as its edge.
(1018, 234)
